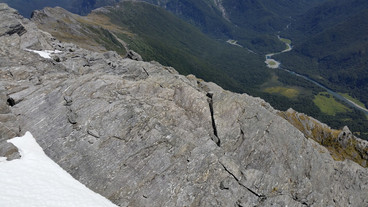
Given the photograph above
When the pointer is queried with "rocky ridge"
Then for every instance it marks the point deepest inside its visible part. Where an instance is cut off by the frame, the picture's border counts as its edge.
(93, 32)
(341, 144)
(140, 134)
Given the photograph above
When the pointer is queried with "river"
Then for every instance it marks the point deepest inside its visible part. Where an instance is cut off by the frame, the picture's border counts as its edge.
(272, 63)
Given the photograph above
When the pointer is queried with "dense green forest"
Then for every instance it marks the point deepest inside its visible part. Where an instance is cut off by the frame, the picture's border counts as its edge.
(337, 57)
(253, 23)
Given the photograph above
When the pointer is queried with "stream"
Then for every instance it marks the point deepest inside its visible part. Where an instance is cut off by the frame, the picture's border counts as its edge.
(272, 63)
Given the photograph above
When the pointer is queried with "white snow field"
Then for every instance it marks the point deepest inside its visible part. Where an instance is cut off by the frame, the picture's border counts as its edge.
(35, 180)
(46, 53)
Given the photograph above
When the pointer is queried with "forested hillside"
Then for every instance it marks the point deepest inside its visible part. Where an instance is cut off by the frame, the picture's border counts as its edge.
(161, 36)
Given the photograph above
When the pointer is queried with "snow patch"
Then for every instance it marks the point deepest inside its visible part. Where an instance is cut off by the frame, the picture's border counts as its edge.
(45, 53)
(35, 180)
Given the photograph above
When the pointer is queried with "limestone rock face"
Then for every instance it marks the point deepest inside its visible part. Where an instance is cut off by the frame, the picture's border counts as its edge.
(345, 137)
(140, 134)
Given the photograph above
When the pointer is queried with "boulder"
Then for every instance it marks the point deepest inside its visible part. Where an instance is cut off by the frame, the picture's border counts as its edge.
(133, 55)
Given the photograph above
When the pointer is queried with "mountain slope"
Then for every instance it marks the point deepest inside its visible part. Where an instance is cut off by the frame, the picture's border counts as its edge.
(253, 23)
(265, 15)
(91, 32)
(142, 135)
(212, 18)
(158, 35)
(325, 16)
(212, 58)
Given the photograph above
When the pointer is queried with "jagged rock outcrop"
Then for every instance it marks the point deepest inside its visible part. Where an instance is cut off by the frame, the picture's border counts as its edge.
(140, 134)
(345, 137)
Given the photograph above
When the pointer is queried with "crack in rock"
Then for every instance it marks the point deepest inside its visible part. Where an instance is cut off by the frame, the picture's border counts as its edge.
(216, 139)
(233, 169)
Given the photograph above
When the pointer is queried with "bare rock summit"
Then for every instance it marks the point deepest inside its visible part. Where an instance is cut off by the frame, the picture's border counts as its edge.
(140, 134)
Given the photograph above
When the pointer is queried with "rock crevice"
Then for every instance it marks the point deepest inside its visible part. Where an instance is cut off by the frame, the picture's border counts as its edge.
(216, 139)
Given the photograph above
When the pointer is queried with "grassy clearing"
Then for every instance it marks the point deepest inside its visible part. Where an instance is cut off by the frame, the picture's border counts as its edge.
(356, 101)
(284, 40)
(287, 92)
(328, 105)
(271, 63)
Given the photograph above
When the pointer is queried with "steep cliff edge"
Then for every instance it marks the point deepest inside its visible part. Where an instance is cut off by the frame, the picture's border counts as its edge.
(140, 134)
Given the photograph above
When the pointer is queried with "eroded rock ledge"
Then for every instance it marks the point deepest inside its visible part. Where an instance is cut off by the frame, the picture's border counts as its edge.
(140, 134)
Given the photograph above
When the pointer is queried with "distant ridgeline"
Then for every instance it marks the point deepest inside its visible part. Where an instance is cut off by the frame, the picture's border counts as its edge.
(26, 7)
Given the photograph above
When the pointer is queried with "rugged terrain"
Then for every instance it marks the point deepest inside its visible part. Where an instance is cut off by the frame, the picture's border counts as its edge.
(327, 36)
(140, 134)
(26, 7)
(159, 35)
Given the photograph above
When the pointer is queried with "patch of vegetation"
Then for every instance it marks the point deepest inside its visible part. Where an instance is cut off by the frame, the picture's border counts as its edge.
(328, 104)
(284, 40)
(287, 92)
(106, 39)
(354, 119)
